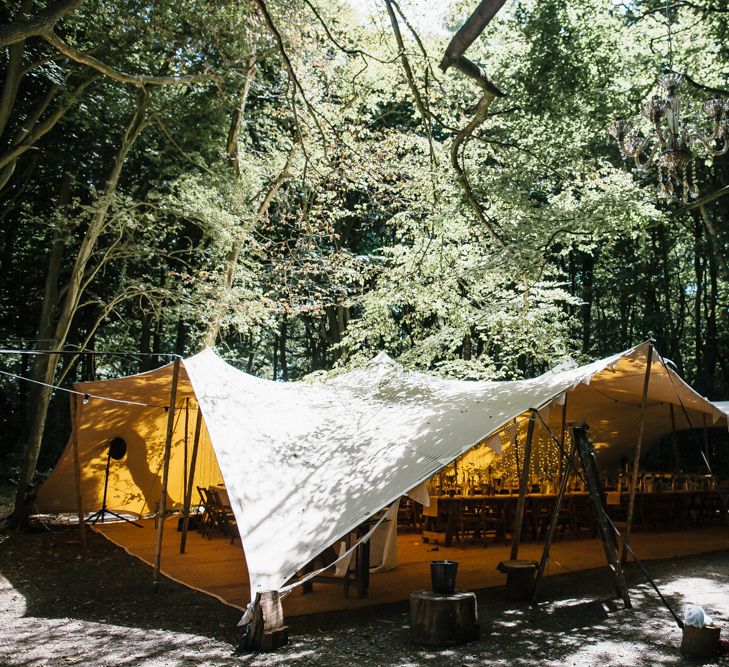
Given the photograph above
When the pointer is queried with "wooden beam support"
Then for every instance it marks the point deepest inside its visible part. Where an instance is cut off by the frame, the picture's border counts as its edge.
(523, 487)
(562, 436)
(190, 481)
(77, 468)
(636, 453)
(555, 515)
(162, 505)
(674, 442)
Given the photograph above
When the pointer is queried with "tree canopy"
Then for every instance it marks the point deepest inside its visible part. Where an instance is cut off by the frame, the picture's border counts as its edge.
(302, 185)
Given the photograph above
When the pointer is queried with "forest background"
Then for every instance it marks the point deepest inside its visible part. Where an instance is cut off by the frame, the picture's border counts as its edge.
(301, 185)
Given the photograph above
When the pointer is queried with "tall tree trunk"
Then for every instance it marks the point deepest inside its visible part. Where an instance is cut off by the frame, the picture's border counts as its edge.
(72, 291)
(274, 375)
(699, 283)
(282, 341)
(231, 150)
(233, 154)
(711, 351)
(13, 73)
(588, 272)
(145, 341)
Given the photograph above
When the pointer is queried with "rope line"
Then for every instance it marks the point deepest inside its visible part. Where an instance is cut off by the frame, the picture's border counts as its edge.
(86, 396)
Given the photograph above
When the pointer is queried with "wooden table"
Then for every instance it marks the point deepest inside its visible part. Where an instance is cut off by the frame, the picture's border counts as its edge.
(669, 508)
(361, 579)
(440, 520)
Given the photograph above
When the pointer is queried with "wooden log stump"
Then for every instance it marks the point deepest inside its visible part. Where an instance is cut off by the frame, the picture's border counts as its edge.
(519, 577)
(443, 620)
(700, 642)
(266, 631)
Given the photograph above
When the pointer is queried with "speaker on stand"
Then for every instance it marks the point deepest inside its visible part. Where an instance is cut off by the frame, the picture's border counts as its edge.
(117, 451)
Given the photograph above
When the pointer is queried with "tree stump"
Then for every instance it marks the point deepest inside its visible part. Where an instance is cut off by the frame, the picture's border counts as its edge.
(700, 642)
(443, 620)
(519, 577)
(266, 631)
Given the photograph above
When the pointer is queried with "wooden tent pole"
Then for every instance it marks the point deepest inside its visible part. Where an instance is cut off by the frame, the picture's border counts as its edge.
(563, 453)
(187, 428)
(564, 478)
(636, 455)
(706, 441)
(162, 506)
(77, 468)
(521, 502)
(190, 481)
(674, 443)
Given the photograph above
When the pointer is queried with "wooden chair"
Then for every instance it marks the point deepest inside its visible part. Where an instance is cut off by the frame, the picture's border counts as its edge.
(223, 517)
(493, 520)
(469, 522)
(206, 503)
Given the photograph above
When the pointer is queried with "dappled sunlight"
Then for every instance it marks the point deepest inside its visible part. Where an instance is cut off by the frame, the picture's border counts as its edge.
(305, 463)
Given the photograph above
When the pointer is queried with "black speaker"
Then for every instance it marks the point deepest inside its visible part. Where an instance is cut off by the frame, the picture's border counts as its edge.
(117, 448)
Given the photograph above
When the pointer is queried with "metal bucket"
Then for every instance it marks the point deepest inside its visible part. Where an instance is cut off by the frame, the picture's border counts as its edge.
(443, 576)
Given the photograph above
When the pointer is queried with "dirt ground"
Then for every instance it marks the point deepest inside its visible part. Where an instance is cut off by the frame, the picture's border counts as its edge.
(62, 606)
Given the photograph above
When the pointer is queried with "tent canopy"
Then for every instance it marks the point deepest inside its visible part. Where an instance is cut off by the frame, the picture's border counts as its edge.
(304, 463)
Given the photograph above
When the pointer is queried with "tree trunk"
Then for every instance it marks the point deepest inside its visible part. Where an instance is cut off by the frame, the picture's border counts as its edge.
(710, 351)
(282, 340)
(588, 266)
(13, 74)
(699, 282)
(236, 121)
(72, 292)
(145, 340)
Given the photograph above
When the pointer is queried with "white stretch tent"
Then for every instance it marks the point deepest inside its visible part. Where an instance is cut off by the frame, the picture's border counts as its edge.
(305, 463)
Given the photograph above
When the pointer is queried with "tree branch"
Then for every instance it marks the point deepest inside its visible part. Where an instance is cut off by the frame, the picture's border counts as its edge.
(139, 80)
(701, 201)
(469, 31)
(410, 77)
(44, 21)
(708, 89)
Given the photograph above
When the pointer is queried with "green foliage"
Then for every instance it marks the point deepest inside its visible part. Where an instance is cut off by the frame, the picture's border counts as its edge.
(346, 231)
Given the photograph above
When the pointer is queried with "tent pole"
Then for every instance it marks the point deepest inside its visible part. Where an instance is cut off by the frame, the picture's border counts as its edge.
(636, 456)
(187, 428)
(706, 441)
(77, 468)
(162, 506)
(564, 477)
(521, 502)
(190, 481)
(562, 437)
(674, 442)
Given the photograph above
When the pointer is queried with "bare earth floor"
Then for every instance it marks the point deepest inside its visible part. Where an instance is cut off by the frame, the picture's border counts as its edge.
(59, 607)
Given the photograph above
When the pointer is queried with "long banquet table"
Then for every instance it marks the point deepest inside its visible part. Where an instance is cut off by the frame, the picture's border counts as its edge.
(659, 509)
(441, 519)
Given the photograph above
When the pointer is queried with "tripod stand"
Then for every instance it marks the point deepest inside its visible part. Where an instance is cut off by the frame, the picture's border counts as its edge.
(117, 450)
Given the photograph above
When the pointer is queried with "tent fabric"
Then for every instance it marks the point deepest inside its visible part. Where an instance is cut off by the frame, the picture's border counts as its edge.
(305, 463)
(140, 418)
(723, 406)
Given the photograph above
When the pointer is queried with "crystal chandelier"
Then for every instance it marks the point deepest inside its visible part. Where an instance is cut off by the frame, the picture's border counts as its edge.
(671, 146)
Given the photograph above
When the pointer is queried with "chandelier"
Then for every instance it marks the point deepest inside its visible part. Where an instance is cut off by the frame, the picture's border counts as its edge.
(671, 145)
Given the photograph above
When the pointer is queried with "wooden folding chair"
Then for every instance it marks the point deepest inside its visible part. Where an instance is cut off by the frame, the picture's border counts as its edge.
(206, 502)
(223, 516)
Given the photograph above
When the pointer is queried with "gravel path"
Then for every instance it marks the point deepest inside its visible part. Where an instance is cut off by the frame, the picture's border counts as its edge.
(59, 607)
